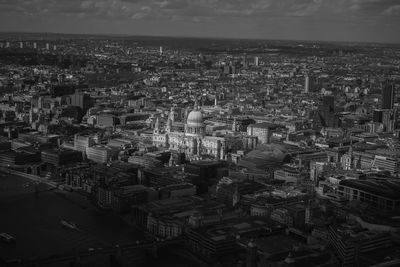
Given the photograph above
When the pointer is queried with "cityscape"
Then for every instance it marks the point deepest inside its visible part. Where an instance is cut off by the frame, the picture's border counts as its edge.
(122, 148)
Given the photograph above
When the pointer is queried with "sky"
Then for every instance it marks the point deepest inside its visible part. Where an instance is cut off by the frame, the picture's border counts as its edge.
(325, 20)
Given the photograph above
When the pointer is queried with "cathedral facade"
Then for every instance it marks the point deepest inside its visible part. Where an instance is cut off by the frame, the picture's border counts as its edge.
(193, 140)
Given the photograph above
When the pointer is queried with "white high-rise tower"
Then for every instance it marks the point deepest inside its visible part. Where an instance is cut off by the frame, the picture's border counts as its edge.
(306, 84)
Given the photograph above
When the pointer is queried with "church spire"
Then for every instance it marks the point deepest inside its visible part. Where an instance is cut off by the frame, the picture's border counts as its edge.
(168, 127)
(157, 126)
(172, 114)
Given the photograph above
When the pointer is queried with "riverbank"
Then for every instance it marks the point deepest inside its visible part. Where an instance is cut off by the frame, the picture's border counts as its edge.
(34, 220)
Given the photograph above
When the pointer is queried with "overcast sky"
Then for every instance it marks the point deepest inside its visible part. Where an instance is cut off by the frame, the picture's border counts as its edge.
(336, 20)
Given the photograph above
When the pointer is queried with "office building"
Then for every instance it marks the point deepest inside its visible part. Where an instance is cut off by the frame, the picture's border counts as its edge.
(81, 142)
(351, 242)
(62, 90)
(107, 120)
(240, 124)
(378, 116)
(263, 131)
(388, 160)
(389, 117)
(388, 94)
(124, 197)
(57, 157)
(290, 175)
(326, 112)
(308, 84)
(145, 161)
(137, 101)
(19, 157)
(230, 193)
(329, 102)
(81, 100)
(204, 173)
(380, 194)
(214, 241)
(177, 190)
(102, 154)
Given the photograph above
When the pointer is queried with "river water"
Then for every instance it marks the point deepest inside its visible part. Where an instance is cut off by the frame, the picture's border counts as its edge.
(34, 220)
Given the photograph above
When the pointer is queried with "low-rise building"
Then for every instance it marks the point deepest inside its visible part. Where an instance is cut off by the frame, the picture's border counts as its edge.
(102, 154)
(350, 242)
(57, 157)
(263, 131)
(290, 174)
(382, 194)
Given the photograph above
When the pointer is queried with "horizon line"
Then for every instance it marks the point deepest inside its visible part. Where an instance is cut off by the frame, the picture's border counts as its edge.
(197, 37)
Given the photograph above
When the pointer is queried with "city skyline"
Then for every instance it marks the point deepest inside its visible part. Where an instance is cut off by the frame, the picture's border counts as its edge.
(320, 20)
(246, 133)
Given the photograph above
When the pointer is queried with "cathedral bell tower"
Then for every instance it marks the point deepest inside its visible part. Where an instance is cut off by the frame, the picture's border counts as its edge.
(168, 127)
(157, 126)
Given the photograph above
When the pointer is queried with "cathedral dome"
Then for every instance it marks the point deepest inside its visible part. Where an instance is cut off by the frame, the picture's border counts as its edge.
(195, 118)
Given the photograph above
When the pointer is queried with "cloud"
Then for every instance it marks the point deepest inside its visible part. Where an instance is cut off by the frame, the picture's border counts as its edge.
(392, 11)
(305, 8)
(168, 9)
(219, 17)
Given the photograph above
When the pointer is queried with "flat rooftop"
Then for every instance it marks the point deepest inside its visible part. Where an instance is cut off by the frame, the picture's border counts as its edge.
(383, 188)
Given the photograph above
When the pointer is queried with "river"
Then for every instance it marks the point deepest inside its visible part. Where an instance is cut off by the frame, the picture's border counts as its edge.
(34, 220)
